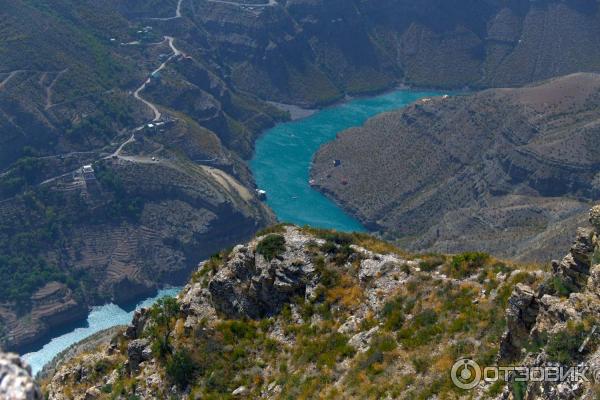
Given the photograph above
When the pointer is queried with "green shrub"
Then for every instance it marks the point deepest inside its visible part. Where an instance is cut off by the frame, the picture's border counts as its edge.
(425, 318)
(279, 228)
(108, 388)
(467, 264)
(518, 390)
(329, 247)
(340, 252)
(422, 330)
(339, 238)
(431, 264)
(271, 246)
(325, 350)
(180, 368)
(163, 314)
(564, 346)
(421, 364)
(495, 388)
(537, 342)
(595, 257)
(393, 314)
(234, 331)
(384, 343)
(371, 358)
(329, 277)
(562, 287)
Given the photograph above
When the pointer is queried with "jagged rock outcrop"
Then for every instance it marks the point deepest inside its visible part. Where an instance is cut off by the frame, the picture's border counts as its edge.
(574, 268)
(16, 382)
(253, 287)
(561, 319)
(138, 322)
(250, 286)
(523, 308)
(138, 350)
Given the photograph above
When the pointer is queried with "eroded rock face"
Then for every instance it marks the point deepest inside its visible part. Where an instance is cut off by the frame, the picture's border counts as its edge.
(138, 351)
(570, 296)
(16, 382)
(522, 310)
(574, 269)
(251, 286)
(595, 217)
(135, 329)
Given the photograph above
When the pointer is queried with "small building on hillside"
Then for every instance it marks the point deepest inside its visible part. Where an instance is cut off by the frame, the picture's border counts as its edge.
(88, 173)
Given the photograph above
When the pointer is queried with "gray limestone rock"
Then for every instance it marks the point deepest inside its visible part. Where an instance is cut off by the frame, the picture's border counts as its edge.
(16, 382)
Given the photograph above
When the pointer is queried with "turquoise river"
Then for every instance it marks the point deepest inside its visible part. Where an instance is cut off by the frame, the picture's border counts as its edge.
(281, 167)
(283, 156)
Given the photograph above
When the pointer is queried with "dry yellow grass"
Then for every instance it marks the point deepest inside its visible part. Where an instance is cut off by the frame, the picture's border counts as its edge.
(348, 293)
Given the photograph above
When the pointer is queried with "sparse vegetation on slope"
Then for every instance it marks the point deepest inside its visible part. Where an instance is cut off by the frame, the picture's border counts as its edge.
(357, 320)
(506, 171)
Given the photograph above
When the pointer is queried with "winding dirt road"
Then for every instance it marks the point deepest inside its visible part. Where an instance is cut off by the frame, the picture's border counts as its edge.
(220, 176)
(177, 14)
(136, 94)
(49, 89)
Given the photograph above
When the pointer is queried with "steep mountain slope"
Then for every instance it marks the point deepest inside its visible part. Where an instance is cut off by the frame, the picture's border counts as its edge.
(75, 90)
(508, 171)
(311, 51)
(298, 313)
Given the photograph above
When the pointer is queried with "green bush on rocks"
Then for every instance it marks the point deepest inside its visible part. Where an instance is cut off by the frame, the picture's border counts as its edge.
(271, 246)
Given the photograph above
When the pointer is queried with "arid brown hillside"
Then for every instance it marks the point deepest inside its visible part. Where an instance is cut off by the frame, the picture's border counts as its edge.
(509, 171)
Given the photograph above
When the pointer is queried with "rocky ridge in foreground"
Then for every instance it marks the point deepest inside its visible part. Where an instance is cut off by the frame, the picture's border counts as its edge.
(303, 313)
(307, 313)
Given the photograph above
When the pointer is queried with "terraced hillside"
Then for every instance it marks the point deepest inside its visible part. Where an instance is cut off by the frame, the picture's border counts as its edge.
(164, 136)
(508, 171)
